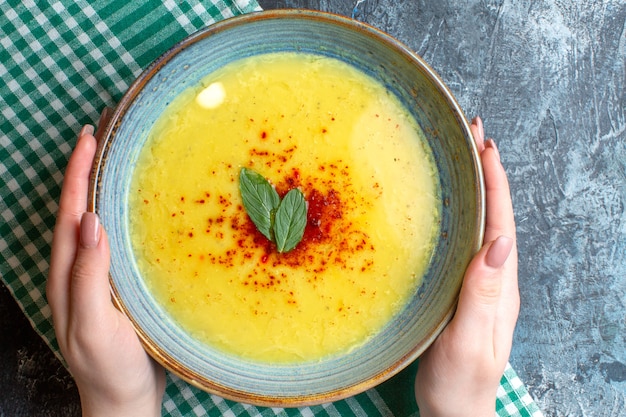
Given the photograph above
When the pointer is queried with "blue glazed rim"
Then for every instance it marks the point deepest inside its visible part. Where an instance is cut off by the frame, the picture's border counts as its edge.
(422, 92)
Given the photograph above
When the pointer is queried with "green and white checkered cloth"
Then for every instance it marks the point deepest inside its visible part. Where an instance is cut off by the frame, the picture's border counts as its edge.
(61, 63)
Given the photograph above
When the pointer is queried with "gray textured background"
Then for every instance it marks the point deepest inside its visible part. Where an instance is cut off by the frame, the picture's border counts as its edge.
(549, 80)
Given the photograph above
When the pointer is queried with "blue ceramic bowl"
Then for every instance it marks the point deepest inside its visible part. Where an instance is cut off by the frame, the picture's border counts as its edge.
(462, 205)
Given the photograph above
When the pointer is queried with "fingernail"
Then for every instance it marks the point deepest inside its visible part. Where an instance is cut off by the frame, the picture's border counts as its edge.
(89, 230)
(479, 124)
(86, 130)
(490, 143)
(499, 252)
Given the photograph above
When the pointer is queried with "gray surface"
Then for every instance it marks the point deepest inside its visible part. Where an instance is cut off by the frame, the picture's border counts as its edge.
(549, 79)
(32, 381)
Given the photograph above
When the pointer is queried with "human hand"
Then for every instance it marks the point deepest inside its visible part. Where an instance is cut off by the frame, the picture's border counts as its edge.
(460, 373)
(113, 373)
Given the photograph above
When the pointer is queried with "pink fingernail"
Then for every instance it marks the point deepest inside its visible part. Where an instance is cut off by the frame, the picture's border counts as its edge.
(86, 130)
(479, 125)
(499, 252)
(89, 230)
(490, 143)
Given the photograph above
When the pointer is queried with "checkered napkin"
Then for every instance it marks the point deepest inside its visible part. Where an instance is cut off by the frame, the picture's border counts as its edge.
(61, 63)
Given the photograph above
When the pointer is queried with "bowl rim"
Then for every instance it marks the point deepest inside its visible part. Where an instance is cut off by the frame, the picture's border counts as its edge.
(111, 119)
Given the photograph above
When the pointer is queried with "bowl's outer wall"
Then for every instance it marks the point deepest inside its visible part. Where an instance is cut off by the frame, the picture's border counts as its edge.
(462, 202)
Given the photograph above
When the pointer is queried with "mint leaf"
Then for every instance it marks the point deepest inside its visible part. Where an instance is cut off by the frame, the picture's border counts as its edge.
(290, 221)
(260, 200)
(281, 222)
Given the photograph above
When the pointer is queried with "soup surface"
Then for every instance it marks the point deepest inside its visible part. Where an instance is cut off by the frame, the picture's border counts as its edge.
(371, 189)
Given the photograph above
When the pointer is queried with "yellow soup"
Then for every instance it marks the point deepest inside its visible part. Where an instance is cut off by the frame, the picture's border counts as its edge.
(371, 188)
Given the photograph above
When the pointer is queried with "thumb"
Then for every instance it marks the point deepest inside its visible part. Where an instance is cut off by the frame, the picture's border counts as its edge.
(480, 293)
(90, 292)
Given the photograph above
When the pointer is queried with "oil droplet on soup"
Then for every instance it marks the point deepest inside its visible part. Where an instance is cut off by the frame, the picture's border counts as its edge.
(301, 121)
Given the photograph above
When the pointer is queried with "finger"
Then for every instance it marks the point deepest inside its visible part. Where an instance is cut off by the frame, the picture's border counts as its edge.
(73, 201)
(477, 131)
(500, 219)
(72, 204)
(479, 299)
(89, 290)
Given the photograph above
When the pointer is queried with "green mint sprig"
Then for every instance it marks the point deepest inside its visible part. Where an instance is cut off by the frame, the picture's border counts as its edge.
(282, 222)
